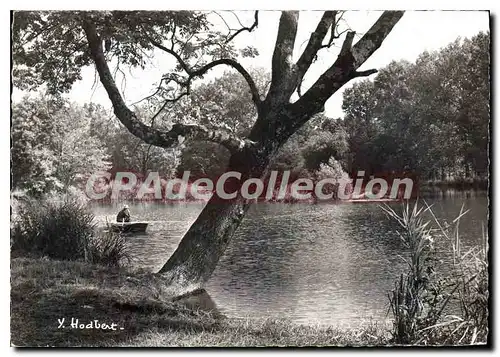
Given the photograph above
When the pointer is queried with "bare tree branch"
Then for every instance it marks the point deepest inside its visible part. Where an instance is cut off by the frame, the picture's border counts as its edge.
(128, 118)
(179, 59)
(334, 28)
(334, 33)
(282, 83)
(372, 39)
(315, 41)
(223, 20)
(242, 28)
(249, 29)
(158, 89)
(299, 88)
(365, 73)
(347, 45)
(237, 18)
(167, 101)
(192, 73)
(313, 46)
(232, 63)
(333, 37)
(347, 63)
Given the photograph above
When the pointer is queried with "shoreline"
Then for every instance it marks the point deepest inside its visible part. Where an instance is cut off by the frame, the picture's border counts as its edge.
(459, 185)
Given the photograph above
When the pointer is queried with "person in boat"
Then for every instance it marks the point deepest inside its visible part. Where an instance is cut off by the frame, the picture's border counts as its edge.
(123, 215)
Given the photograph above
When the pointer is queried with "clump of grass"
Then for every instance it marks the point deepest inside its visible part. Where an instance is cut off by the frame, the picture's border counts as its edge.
(108, 248)
(56, 229)
(421, 296)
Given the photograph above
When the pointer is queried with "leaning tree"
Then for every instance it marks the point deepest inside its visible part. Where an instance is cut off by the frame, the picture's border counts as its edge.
(50, 48)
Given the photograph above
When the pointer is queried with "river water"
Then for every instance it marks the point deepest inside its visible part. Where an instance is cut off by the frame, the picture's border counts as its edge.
(330, 264)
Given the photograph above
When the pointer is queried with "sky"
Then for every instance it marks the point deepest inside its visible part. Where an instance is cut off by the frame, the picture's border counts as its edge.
(416, 32)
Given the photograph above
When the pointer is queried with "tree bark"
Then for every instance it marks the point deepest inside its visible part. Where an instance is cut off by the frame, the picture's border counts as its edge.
(199, 251)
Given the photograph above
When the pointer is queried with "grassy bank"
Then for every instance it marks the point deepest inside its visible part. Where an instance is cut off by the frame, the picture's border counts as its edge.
(43, 291)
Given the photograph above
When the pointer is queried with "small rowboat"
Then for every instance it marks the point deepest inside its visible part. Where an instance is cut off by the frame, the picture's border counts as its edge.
(129, 227)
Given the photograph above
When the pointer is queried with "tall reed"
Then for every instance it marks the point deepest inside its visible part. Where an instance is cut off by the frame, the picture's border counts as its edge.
(423, 297)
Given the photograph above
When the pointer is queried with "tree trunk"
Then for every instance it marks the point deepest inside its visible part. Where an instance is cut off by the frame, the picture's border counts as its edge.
(199, 251)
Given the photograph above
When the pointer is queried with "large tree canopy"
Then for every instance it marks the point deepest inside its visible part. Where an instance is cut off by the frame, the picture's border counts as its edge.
(51, 47)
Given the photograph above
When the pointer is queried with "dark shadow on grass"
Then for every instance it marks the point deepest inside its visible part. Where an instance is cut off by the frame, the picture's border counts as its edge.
(37, 304)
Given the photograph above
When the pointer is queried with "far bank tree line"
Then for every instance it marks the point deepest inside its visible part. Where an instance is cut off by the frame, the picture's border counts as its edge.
(429, 118)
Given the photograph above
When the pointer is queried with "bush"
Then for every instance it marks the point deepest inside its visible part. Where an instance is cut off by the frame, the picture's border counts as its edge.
(56, 229)
(333, 169)
(64, 230)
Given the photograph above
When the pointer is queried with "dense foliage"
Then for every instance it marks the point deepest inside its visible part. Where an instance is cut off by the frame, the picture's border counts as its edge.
(59, 229)
(430, 117)
(52, 146)
(50, 48)
(57, 145)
